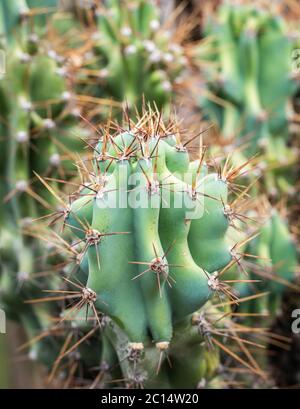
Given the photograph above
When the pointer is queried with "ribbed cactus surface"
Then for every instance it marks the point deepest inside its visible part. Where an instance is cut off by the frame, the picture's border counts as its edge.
(149, 244)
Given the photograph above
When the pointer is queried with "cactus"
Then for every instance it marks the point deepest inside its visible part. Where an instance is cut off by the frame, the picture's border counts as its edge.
(138, 274)
(151, 232)
(13, 15)
(39, 132)
(275, 264)
(134, 267)
(249, 86)
(135, 56)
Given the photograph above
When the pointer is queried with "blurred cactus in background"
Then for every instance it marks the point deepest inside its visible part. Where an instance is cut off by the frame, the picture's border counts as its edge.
(274, 262)
(247, 62)
(148, 249)
(40, 133)
(135, 56)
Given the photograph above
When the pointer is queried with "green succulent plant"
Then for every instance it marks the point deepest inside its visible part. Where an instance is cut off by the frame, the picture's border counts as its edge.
(138, 274)
(135, 56)
(149, 239)
(248, 87)
(247, 92)
(39, 132)
(275, 265)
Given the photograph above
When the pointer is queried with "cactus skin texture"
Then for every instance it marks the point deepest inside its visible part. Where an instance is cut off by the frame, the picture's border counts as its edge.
(249, 90)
